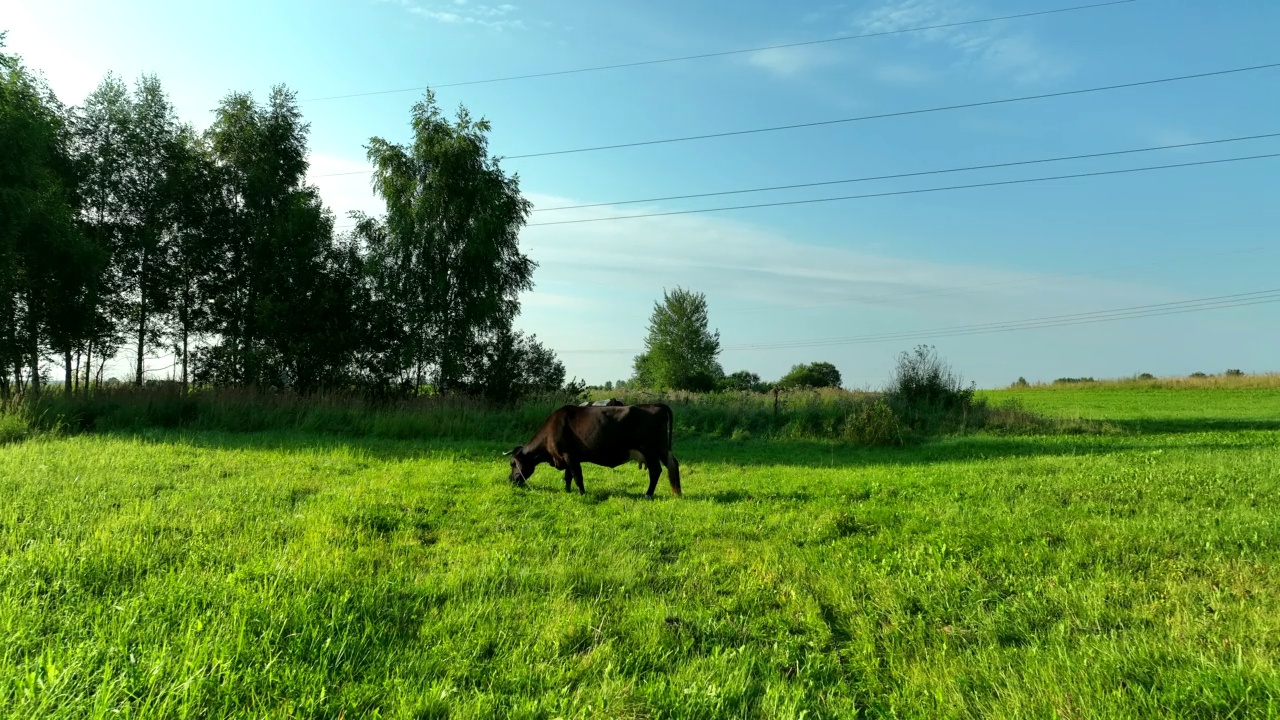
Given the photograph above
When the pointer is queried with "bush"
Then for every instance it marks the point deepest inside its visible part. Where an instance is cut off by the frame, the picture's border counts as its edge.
(813, 375)
(1146, 376)
(1235, 373)
(742, 381)
(876, 424)
(1073, 381)
(926, 393)
(1198, 375)
(1021, 383)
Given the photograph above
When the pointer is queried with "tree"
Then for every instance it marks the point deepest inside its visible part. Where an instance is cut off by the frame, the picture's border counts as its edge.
(446, 255)
(512, 365)
(100, 137)
(146, 256)
(813, 375)
(199, 225)
(271, 246)
(680, 351)
(44, 263)
(742, 381)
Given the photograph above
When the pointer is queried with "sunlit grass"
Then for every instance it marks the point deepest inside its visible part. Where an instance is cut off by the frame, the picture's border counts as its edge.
(295, 575)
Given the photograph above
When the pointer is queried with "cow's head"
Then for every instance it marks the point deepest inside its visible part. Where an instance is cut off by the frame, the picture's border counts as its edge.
(522, 466)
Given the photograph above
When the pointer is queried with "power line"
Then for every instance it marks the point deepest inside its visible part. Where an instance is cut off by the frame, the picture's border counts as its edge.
(920, 191)
(906, 175)
(725, 53)
(1221, 302)
(901, 113)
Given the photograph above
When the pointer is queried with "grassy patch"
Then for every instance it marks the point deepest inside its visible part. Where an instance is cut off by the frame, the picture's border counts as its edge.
(291, 575)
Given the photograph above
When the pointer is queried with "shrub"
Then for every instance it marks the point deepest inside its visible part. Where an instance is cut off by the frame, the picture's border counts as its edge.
(741, 381)
(926, 393)
(813, 375)
(1021, 383)
(876, 424)
(1235, 373)
(1072, 381)
(1146, 376)
(1198, 375)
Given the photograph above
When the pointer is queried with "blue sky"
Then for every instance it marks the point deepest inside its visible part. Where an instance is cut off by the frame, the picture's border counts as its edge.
(808, 272)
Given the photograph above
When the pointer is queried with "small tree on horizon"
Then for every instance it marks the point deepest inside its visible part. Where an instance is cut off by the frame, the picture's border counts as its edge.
(681, 351)
(743, 381)
(813, 375)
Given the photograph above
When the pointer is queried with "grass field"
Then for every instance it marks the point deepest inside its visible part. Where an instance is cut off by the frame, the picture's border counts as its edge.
(206, 574)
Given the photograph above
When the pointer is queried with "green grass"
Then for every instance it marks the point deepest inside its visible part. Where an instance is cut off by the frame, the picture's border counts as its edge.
(1157, 407)
(287, 574)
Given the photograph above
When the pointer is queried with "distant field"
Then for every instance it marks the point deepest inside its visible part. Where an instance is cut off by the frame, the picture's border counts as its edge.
(1251, 399)
(166, 574)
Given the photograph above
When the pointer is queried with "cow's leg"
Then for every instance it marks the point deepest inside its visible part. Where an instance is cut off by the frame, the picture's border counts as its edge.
(654, 464)
(673, 472)
(577, 476)
(568, 480)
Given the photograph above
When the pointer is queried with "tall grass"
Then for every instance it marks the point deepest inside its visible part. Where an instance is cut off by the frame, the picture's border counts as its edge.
(858, 417)
(865, 418)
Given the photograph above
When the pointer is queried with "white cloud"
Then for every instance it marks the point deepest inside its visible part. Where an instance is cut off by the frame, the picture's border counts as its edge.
(793, 61)
(993, 47)
(464, 12)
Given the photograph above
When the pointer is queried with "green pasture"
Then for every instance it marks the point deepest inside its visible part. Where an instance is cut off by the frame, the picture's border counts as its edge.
(184, 574)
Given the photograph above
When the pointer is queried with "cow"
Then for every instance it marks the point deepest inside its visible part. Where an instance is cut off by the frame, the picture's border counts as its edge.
(603, 403)
(607, 436)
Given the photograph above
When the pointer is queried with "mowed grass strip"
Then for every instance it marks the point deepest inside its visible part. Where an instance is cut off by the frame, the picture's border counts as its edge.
(287, 575)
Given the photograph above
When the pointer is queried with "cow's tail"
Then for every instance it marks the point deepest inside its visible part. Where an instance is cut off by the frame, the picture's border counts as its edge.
(673, 465)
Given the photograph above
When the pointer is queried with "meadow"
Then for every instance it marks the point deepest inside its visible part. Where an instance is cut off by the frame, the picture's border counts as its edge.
(196, 572)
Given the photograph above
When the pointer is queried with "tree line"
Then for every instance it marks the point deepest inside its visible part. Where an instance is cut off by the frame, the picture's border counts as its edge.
(126, 232)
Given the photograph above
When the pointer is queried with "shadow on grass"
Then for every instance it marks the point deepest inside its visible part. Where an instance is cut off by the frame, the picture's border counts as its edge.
(1181, 426)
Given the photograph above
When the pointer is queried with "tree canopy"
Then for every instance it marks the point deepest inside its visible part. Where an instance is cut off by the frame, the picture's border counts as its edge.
(812, 375)
(681, 351)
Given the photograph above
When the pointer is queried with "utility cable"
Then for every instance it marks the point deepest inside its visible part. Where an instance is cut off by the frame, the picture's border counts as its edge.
(724, 53)
(919, 191)
(897, 176)
(901, 113)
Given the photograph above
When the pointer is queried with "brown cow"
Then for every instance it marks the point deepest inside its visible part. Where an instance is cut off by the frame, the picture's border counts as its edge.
(605, 436)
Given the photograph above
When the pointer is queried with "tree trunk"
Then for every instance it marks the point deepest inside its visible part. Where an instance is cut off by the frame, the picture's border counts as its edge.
(66, 373)
(88, 367)
(142, 327)
(35, 365)
(184, 359)
(75, 374)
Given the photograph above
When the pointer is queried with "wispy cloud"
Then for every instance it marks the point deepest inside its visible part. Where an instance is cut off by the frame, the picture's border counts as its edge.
(464, 12)
(793, 61)
(995, 48)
